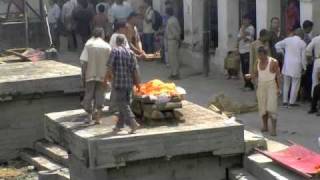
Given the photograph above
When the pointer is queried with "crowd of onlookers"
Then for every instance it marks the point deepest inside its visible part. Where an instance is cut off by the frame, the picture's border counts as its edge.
(296, 52)
(146, 30)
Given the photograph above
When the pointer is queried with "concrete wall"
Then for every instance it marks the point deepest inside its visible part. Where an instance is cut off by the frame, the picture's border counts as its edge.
(191, 167)
(13, 36)
(21, 121)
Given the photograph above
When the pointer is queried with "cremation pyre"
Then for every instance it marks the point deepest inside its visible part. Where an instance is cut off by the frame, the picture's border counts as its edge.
(158, 101)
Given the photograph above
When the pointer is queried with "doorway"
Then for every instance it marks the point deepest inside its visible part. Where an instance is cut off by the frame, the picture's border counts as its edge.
(290, 15)
(248, 7)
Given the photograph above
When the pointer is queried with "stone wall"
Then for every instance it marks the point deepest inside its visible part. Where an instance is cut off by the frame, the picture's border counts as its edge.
(21, 121)
(13, 36)
(200, 166)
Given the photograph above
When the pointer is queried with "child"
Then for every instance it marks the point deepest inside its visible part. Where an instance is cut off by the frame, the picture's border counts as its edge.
(232, 64)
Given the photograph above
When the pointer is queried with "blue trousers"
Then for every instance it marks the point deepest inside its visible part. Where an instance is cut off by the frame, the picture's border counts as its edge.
(148, 43)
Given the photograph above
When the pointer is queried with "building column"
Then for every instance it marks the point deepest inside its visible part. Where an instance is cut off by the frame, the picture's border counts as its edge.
(266, 10)
(228, 27)
(306, 10)
(309, 10)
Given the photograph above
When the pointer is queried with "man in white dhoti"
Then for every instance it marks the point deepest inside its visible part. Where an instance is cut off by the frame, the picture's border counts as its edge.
(313, 52)
(313, 49)
(268, 75)
(294, 65)
(172, 35)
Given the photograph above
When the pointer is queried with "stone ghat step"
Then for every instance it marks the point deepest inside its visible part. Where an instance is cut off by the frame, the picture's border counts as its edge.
(264, 168)
(55, 152)
(240, 174)
(45, 165)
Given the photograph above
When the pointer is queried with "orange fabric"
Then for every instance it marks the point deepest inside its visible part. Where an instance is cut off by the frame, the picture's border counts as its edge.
(156, 88)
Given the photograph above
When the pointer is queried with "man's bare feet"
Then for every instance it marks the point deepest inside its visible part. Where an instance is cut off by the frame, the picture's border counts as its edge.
(97, 117)
(134, 128)
(89, 118)
(116, 130)
(274, 127)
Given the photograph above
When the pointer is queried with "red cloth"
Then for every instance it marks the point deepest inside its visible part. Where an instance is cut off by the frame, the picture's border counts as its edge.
(297, 158)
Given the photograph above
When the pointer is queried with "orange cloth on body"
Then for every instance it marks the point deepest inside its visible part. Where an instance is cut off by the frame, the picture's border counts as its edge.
(156, 88)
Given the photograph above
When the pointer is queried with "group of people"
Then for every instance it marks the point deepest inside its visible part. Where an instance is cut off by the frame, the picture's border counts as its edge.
(295, 57)
(77, 19)
(111, 63)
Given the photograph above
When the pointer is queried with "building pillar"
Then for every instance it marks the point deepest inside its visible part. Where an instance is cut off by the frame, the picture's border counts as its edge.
(306, 10)
(228, 27)
(309, 10)
(266, 10)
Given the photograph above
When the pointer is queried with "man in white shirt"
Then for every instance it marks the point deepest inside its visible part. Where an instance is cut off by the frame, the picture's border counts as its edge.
(172, 36)
(314, 49)
(53, 18)
(106, 4)
(120, 11)
(148, 32)
(69, 24)
(245, 38)
(294, 64)
(120, 29)
(94, 58)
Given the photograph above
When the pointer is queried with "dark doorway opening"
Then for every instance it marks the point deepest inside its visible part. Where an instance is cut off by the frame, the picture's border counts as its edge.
(290, 15)
(213, 24)
(248, 7)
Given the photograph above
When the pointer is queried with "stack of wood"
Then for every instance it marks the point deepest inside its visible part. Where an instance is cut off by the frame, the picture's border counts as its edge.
(150, 110)
(153, 57)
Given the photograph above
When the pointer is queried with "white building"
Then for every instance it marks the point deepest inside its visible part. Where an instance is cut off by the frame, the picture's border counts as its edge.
(224, 16)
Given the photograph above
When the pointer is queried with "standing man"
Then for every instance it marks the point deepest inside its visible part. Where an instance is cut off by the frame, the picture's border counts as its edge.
(245, 38)
(148, 32)
(268, 75)
(172, 36)
(94, 57)
(306, 85)
(69, 24)
(83, 16)
(133, 35)
(123, 72)
(313, 51)
(294, 64)
(120, 11)
(276, 36)
(54, 18)
(263, 41)
(121, 28)
(100, 19)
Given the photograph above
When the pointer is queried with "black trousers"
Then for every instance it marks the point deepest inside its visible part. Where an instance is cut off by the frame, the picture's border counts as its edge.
(315, 98)
(245, 65)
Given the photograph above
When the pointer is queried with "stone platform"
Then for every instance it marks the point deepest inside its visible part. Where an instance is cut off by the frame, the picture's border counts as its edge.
(27, 92)
(27, 78)
(204, 136)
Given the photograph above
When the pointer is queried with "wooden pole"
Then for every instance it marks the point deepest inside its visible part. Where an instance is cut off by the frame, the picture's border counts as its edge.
(26, 19)
(206, 38)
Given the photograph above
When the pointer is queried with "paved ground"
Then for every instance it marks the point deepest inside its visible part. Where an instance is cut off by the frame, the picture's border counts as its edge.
(294, 124)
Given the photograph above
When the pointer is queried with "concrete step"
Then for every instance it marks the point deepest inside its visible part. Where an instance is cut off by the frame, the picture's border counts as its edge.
(55, 152)
(43, 163)
(264, 168)
(254, 140)
(240, 174)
